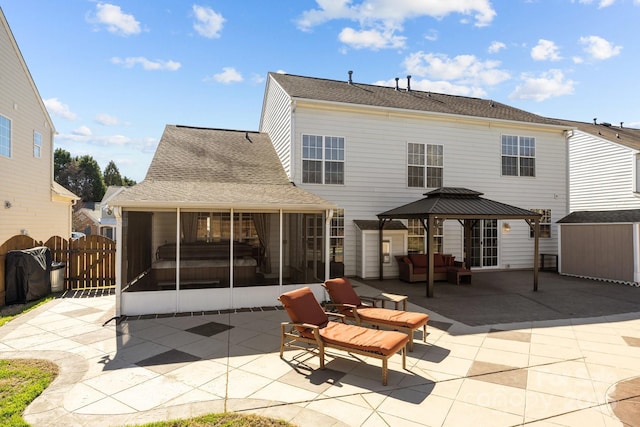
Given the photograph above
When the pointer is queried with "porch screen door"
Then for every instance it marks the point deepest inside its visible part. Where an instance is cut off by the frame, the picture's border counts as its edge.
(484, 243)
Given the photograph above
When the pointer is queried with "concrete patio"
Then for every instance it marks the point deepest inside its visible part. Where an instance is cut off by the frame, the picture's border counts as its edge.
(496, 354)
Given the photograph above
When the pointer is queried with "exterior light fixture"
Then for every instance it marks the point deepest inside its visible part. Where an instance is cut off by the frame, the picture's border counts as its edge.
(506, 227)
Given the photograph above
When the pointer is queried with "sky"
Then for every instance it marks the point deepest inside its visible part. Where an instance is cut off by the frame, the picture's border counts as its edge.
(113, 73)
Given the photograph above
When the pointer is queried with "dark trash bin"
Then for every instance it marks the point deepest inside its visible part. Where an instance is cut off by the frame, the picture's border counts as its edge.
(27, 275)
(57, 276)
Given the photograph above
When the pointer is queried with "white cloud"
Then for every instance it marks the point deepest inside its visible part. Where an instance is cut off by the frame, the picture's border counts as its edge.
(462, 69)
(547, 85)
(432, 35)
(115, 20)
(545, 50)
(208, 23)
(601, 3)
(57, 108)
(371, 39)
(147, 64)
(107, 119)
(394, 12)
(257, 78)
(82, 131)
(496, 47)
(599, 48)
(227, 76)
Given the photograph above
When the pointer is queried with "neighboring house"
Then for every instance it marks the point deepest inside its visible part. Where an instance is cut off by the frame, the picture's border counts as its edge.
(215, 224)
(370, 148)
(86, 218)
(108, 221)
(31, 202)
(604, 167)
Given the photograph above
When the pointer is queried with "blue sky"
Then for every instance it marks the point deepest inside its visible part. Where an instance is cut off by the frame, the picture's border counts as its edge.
(114, 73)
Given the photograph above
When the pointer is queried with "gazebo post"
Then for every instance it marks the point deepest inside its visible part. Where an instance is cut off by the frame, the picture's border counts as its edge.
(536, 254)
(381, 223)
(430, 229)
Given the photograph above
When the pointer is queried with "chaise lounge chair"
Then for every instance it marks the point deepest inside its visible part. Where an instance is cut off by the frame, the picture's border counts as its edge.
(350, 305)
(311, 325)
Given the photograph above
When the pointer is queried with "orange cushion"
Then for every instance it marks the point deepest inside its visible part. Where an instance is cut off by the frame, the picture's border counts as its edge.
(302, 307)
(418, 260)
(364, 339)
(405, 319)
(341, 292)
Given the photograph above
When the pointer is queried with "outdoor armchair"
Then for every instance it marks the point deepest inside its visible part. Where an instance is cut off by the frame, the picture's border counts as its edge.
(350, 305)
(311, 325)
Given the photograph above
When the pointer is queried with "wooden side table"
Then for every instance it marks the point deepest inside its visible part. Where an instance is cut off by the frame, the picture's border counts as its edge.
(395, 299)
(458, 276)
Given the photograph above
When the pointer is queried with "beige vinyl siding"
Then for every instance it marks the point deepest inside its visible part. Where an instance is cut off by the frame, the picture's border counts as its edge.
(376, 170)
(276, 121)
(26, 180)
(601, 174)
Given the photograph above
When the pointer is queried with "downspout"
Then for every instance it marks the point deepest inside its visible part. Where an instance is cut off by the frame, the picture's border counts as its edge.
(292, 142)
(280, 264)
(568, 134)
(636, 253)
(231, 260)
(178, 213)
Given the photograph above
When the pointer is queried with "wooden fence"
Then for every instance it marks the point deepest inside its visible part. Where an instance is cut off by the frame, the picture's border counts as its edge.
(90, 262)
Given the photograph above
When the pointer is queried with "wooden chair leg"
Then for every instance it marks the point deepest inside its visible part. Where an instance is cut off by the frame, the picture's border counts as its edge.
(384, 371)
(424, 333)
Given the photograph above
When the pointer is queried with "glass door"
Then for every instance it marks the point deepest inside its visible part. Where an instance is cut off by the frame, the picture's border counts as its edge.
(484, 243)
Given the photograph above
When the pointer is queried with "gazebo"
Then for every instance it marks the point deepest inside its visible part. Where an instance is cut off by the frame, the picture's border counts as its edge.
(467, 207)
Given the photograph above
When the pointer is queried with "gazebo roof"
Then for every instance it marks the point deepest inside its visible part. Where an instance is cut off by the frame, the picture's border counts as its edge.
(457, 203)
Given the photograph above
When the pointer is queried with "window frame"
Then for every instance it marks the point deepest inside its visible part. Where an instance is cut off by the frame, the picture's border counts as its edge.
(9, 142)
(438, 237)
(545, 223)
(336, 236)
(524, 155)
(37, 144)
(330, 164)
(420, 157)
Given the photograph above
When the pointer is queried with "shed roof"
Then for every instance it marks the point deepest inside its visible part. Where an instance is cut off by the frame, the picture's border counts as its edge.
(384, 96)
(217, 168)
(594, 217)
(455, 202)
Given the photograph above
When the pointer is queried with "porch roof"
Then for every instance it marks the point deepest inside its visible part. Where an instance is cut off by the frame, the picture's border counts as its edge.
(204, 168)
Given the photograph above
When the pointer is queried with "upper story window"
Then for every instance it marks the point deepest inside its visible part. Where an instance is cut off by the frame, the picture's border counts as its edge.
(5, 137)
(37, 144)
(545, 223)
(425, 163)
(518, 155)
(322, 159)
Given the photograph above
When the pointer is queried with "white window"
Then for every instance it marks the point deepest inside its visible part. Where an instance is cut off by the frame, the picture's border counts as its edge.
(417, 237)
(518, 155)
(37, 144)
(545, 223)
(637, 173)
(322, 159)
(425, 164)
(5, 137)
(337, 236)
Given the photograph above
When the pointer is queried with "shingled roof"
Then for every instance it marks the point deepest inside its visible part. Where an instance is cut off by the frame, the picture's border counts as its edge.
(388, 97)
(217, 168)
(594, 217)
(629, 137)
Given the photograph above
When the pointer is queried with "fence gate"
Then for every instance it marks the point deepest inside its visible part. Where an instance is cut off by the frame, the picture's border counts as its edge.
(91, 263)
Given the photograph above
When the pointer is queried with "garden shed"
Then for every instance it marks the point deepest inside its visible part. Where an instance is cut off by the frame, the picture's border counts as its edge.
(603, 245)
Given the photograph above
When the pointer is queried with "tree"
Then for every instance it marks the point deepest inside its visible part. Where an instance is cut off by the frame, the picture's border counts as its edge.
(128, 182)
(112, 175)
(91, 180)
(61, 161)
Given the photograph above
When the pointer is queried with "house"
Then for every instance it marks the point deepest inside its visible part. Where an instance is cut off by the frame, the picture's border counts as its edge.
(604, 167)
(107, 218)
(369, 149)
(86, 218)
(30, 201)
(599, 239)
(215, 225)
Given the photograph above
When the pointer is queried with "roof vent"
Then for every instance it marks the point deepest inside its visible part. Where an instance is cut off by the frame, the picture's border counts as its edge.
(606, 124)
(408, 83)
(350, 77)
(397, 87)
(621, 123)
(595, 120)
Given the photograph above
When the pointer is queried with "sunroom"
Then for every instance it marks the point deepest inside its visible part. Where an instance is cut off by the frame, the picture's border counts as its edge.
(216, 225)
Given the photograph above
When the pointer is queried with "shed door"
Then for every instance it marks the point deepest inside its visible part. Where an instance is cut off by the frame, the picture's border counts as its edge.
(484, 243)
